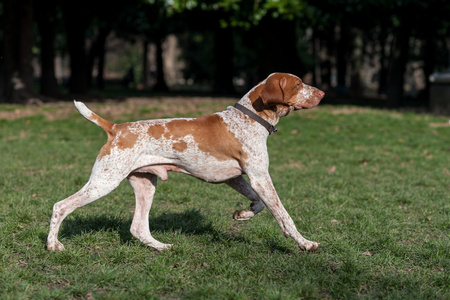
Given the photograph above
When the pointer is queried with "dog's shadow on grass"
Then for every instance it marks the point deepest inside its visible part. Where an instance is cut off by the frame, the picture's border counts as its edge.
(190, 222)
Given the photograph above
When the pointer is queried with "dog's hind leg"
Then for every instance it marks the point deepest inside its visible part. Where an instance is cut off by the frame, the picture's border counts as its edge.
(92, 191)
(242, 186)
(144, 186)
(103, 180)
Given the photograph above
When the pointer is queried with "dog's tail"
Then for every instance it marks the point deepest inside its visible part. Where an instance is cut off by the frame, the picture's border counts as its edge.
(94, 118)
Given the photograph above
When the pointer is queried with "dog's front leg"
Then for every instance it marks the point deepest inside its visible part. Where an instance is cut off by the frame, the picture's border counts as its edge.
(242, 186)
(263, 186)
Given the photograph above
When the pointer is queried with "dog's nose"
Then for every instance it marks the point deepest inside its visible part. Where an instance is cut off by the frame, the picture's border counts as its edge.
(320, 93)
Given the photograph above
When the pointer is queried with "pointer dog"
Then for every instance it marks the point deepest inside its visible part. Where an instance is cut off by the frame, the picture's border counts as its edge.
(217, 148)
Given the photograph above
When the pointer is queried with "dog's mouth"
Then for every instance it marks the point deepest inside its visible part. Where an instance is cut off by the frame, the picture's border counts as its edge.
(302, 106)
(311, 101)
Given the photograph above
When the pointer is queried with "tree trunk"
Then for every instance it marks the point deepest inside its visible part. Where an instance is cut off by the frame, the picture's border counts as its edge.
(429, 57)
(342, 56)
(398, 64)
(384, 42)
(91, 56)
(145, 63)
(97, 51)
(160, 85)
(223, 56)
(18, 40)
(316, 80)
(46, 19)
(327, 44)
(356, 64)
(76, 24)
(101, 59)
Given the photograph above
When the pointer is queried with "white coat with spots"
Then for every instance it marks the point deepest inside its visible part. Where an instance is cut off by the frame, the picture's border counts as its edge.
(215, 148)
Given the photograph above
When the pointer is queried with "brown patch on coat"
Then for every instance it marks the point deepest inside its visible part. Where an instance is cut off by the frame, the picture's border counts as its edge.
(211, 135)
(209, 132)
(120, 136)
(156, 131)
(126, 140)
(105, 151)
(123, 137)
(180, 146)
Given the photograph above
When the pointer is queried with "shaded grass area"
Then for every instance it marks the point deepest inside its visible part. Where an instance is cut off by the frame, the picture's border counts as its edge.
(372, 186)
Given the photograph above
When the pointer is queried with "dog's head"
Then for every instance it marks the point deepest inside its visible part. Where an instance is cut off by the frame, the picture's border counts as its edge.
(286, 92)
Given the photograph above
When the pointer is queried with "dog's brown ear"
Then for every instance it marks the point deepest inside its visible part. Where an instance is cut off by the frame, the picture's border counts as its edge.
(273, 93)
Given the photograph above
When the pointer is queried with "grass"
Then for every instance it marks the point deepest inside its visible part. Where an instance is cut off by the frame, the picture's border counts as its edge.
(372, 186)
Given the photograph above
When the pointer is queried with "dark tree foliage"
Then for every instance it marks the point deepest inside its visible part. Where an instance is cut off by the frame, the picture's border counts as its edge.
(222, 40)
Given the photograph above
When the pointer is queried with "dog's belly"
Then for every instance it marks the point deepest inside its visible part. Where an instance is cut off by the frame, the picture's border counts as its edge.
(215, 173)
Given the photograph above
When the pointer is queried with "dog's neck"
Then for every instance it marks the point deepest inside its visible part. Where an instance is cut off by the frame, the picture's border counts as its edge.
(253, 102)
(270, 128)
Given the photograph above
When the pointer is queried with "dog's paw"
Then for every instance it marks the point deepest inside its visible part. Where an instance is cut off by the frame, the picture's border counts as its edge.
(243, 215)
(56, 246)
(159, 246)
(309, 246)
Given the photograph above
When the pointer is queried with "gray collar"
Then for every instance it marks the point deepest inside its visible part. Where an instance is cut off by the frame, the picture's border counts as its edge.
(270, 128)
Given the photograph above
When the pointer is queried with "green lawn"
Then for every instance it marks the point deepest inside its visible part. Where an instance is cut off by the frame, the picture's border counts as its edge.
(372, 186)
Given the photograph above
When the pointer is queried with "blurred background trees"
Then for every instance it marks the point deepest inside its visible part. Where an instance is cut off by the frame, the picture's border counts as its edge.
(352, 48)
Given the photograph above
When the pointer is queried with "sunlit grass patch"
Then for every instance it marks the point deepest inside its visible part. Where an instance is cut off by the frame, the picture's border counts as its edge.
(372, 186)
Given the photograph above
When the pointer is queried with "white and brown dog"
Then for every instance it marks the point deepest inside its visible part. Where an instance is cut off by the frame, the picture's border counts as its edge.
(217, 148)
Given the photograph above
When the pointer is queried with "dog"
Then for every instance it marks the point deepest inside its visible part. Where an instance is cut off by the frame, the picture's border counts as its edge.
(217, 148)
